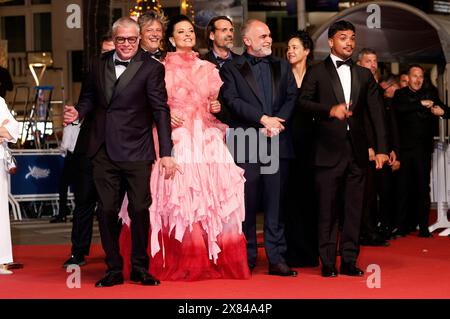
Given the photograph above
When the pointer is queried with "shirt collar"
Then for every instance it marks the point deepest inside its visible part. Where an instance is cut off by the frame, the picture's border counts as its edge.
(116, 57)
(334, 59)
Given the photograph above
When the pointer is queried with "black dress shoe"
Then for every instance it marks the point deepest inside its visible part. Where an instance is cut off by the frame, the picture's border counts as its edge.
(329, 271)
(281, 269)
(144, 278)
(58, 219)
(111, 279)
(351, 270)
(375, 242)
(425, 234)
(75, 260)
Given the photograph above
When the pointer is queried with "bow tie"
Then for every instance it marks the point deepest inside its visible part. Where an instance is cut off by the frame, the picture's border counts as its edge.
(156, 55)
(256, 60)
(118, 62)
(349, 62)
(221, 60)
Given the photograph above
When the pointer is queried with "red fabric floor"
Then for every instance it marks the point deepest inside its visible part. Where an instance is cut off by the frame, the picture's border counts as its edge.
(411, 267)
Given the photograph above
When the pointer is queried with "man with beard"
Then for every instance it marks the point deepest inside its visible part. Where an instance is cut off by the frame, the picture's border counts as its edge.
(260, 91)
(220, 36)
(152, 32)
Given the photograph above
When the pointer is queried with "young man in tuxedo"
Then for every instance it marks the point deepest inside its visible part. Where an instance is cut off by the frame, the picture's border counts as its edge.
(260, 92)
(125, 93)
(340, 95)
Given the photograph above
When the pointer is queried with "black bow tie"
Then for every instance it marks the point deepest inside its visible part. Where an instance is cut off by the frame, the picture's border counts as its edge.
(256, 60)
(220, 60)
(118, 62)
(156, 55)
(349, 62)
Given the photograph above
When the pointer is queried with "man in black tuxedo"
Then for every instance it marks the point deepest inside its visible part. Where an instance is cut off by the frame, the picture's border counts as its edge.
(341, 95)
(260, 92)
(125, 92)
(152, 27)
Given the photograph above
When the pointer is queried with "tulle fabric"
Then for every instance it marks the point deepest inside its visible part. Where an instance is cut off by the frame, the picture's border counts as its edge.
(196, 217)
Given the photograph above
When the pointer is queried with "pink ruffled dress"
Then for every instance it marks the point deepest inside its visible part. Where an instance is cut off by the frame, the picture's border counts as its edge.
(196, 217)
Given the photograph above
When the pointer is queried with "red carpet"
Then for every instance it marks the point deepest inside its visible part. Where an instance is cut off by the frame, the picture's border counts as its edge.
(411, 267)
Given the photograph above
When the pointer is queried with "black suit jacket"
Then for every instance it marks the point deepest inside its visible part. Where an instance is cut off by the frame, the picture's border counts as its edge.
(416, 124)
(242, 97)
(320, 91)
(123, 114)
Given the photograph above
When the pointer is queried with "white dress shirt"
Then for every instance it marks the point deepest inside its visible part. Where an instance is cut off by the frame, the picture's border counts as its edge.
(345, 76)
(119, 68)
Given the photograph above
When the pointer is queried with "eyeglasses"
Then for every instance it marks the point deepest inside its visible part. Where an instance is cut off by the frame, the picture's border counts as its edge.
(121, 40)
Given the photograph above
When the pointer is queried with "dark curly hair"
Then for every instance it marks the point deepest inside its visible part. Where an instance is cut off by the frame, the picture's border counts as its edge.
(306, 41)
(170, 28)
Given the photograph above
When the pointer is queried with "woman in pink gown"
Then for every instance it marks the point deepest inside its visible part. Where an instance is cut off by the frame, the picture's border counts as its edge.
(196, 217)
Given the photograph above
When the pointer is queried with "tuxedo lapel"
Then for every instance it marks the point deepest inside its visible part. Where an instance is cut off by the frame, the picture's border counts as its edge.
(276, 75)
(247, 74)
(108, 76)
(129, 73)
(335, 81)
(354, 95)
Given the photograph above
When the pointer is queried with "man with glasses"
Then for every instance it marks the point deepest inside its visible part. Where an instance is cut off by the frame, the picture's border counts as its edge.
(124, 92)
(152, 32)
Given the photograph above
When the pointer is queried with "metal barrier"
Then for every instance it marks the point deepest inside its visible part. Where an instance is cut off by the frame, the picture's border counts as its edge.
(37, 178)
(440, 186)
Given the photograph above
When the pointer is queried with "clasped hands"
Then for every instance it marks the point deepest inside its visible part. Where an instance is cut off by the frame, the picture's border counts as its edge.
(272, 125)
(435, 109)
(381, 159)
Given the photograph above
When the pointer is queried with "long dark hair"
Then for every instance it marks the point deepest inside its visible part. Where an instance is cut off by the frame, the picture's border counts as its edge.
(170, 28)
(306, 41)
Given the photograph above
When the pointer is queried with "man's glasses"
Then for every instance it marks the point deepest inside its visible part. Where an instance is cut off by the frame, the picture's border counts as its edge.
(121, 40)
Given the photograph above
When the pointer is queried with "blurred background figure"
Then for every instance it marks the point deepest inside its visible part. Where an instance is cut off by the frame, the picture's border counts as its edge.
(6, 83)
(9, 132)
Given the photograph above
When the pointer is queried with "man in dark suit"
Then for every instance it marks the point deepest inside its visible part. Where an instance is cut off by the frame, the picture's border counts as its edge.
(152, 27)
(125, 93)
(220, 37)
(341, 95)
(260, 92)
(417, 109)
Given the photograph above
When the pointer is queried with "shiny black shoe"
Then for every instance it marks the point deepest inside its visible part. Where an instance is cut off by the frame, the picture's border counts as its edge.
(111, 279)
(144, 278)
(425, 234)
(351, 270)
(376, 241)
(75, 260)
(58, 219)
(281, 269)
(329, 271)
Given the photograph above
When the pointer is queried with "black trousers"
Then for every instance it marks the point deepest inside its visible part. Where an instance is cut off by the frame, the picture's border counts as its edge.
(301, 216)
(342, 184)
(85, 203)
(65, 180)
(413, 186)
(271, 190)
(135, 178)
